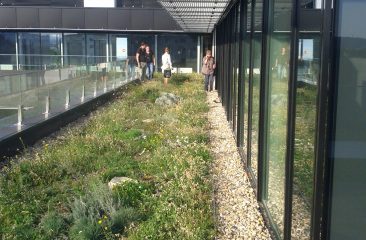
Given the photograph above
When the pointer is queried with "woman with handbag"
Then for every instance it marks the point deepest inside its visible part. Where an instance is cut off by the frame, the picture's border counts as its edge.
(166, 65)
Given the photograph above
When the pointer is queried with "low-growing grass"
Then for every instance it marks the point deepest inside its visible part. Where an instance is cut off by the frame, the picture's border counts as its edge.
(59, 190)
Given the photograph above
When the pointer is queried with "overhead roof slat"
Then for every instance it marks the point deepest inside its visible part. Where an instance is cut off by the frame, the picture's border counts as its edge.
(195, 15)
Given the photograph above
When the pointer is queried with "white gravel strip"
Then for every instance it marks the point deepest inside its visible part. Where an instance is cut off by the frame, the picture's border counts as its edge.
(236, 207)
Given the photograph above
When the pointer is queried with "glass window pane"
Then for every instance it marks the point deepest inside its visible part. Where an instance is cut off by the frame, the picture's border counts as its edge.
(279, 58)
(257, 51)
(51, 50)
(74, 49)
(96, 48)
(348, 199)
(183, 49)
(29, 51)
(246, 72)
(7, 51)
(305, 126)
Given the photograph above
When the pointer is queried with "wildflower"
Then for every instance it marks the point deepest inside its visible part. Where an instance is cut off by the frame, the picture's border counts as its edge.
(105, 217)
(100, 222)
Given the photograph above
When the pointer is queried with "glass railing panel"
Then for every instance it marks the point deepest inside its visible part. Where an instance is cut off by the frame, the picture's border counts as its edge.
(32, 97)
(51, 89)
(10, 98)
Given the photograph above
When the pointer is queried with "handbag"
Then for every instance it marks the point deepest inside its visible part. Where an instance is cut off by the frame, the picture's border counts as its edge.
(167, 73)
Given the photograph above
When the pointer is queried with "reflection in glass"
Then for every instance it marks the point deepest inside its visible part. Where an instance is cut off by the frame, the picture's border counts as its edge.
(279, 59)
(311, 4)
(306, 96)
(51, 50)
(257, 50)
(183, 49)
(235, 66)
(348, 200)
(96, 48)
(7, 51)
(29, 50)
(246, 72)
(74, 49)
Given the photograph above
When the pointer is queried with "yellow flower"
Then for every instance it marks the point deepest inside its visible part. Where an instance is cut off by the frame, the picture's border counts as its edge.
(100, 222)
(105, 228)
(105, 217)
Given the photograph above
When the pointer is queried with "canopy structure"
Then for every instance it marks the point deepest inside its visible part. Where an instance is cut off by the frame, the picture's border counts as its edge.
(195, 15)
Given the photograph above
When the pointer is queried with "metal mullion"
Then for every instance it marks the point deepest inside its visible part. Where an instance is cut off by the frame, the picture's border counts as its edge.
(291, 121)
(241, 87)
(320, 225)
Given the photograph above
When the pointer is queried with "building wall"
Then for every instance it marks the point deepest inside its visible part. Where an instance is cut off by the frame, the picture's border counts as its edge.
(76, 19)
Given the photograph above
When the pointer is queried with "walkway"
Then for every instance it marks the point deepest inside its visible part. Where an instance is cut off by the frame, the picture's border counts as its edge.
(237, 210)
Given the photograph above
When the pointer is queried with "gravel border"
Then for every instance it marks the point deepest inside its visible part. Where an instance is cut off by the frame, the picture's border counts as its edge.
(236, 209)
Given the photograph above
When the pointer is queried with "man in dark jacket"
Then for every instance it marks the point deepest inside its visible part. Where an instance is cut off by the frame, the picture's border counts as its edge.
(141, 60)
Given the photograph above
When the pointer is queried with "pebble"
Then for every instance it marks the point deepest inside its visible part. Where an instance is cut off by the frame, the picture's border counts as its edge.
(236, 207)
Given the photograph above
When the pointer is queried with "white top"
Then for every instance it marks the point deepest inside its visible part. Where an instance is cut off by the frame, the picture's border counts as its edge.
(166, 62)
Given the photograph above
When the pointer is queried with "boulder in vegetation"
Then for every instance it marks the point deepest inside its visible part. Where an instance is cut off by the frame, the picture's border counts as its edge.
(116, 181)
(167, 99)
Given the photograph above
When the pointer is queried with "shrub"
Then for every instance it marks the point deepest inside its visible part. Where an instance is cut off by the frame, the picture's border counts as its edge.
(122, 217)
(52, 224)
(179, 78)
(130, 193)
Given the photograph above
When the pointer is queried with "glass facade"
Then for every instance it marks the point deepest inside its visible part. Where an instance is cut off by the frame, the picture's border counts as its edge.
(300, 112)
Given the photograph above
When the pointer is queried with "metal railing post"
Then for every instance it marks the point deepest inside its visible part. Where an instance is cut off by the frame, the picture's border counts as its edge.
(105, 84)
(20, 115)
(83, 93)
(47, 109)
(67, 103)
(95, 89)
(115, 72)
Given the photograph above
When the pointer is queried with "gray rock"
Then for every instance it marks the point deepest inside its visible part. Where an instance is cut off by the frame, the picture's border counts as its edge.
(167, 99)
(116, 181)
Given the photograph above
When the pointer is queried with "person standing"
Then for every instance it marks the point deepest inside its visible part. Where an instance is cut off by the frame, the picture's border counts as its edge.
(141, 60)
(282, 63)
(208, 68)
(150, 63)
(166, 64)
